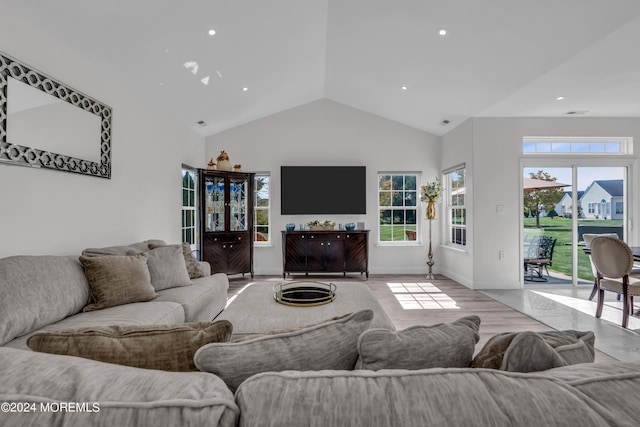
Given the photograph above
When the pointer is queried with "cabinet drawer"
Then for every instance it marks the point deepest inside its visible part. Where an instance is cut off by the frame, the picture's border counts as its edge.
(327, 236)
(227, 238)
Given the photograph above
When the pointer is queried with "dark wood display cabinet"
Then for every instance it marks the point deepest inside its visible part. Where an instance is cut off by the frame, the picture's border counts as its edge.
(226, 221)
(325, 251)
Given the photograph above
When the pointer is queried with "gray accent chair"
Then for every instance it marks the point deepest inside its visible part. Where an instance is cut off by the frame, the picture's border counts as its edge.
(613, 260)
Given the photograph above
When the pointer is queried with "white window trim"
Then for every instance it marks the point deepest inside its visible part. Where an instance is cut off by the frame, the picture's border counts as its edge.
(626, 145)
(418, 209)
(196, 225)
(449, 207)
(269, 241)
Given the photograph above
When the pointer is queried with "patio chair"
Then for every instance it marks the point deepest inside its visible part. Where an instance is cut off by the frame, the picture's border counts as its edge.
(540, 257)
(614, 261)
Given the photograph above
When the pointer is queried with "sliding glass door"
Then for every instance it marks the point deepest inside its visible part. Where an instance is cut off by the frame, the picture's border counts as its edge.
(561, 204)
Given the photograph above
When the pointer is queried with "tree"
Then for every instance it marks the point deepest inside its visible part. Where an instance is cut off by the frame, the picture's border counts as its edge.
(537, 201)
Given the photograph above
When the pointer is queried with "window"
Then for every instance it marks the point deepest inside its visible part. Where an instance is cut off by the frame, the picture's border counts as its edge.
(577, 146)
(262, 211)
(189, 207)
(456, 193)
(619, 208)
(591, 208)
(397, 204)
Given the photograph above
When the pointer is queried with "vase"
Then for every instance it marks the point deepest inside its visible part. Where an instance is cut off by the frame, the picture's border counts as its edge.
(431, 209)
(224, 165)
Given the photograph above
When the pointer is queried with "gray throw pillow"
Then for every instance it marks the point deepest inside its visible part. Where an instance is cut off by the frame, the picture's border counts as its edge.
(419, 347)
(330, 345)
(167, 267)
(536, 351)
(193, 266)
(117, 280)
(162, 347)
(132, 249)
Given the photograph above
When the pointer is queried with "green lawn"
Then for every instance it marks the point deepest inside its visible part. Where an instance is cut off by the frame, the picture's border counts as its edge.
(560, 228)
(397, 230)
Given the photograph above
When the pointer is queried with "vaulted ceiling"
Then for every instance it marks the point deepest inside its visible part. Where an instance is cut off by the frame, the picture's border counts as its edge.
(499, 58)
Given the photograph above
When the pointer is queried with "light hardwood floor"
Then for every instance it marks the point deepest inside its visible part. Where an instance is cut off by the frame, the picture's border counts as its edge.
(404, 297)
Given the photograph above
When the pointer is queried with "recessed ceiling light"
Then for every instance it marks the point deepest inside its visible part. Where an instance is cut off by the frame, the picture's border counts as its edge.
(560, 98)
(442, 32)
(403, 88)
(244, 89)
(212, 32)
(205, 81)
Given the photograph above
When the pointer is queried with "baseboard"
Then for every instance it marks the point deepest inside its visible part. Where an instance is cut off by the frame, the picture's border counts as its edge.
(458, 278)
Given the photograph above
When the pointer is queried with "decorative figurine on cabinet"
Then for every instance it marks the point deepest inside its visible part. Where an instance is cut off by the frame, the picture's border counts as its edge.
(223, 162)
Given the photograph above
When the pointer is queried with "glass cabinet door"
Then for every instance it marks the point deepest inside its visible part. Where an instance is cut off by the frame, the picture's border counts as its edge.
(214, 200)
(238, 204)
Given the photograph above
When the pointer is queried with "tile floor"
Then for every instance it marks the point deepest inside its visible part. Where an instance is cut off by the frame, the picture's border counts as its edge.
(565, 307)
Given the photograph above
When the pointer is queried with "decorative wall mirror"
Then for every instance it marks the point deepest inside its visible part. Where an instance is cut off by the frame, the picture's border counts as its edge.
(45, 123)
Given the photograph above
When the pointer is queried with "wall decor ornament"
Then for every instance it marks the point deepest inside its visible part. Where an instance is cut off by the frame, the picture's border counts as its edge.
(430, 193)
(21, 155)
(321, 225)
(223, 162)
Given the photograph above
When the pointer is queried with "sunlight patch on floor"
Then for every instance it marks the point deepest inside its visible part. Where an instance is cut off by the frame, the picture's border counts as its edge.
(230, 300)
(421, 296)
(611, 312)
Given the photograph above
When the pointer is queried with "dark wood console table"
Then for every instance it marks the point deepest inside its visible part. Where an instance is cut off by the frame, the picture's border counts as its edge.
(325, 251)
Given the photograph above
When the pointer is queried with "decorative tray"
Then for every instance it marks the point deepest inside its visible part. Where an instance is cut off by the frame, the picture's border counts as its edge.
(304, 293)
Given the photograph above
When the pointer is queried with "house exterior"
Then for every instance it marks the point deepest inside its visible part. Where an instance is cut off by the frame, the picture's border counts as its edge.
(564, 207)
(603, 199)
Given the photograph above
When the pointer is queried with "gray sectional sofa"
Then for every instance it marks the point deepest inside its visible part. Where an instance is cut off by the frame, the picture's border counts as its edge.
(48, 293)
(43, 293)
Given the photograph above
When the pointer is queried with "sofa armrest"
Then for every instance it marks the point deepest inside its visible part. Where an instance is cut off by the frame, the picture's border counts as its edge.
(110, 394)
(206, 267)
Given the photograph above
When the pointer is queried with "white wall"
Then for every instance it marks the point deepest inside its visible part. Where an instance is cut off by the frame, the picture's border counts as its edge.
(50, 212)
(497, 148)
(328, 133)
(457, 148)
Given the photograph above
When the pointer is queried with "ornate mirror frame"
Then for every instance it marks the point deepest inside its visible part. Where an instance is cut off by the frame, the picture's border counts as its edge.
(27, 156)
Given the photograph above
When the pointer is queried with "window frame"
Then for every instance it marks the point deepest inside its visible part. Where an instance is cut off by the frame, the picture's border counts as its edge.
(257, 209)
(565, 145)
(195, 245)
(452, 204)
(416, 208)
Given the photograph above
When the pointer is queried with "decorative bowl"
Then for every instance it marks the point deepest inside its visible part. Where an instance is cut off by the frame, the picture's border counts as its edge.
(290, 227)
(350, 226)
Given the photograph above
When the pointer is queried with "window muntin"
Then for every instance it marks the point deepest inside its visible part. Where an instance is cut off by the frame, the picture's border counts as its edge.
(577, 145)
(457, 212)
(397, 207)
(262, 209)
(189, 211)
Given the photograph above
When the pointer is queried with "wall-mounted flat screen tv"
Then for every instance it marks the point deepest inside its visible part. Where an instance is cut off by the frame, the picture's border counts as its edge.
(323, 190)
